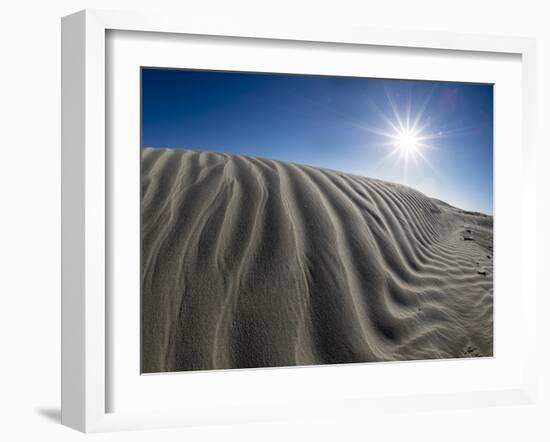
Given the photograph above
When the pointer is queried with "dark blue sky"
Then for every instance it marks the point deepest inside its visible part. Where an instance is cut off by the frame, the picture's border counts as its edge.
(342, 123)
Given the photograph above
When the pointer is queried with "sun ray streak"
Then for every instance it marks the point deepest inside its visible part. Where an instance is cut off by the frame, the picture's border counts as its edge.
(423, 107)
(410, 136)
(394, 108)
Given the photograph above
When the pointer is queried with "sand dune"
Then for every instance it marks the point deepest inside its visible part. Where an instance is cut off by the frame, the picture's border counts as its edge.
(248, 262)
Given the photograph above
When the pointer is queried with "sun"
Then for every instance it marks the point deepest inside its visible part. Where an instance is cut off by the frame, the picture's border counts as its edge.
(407, 141)
(409, 136)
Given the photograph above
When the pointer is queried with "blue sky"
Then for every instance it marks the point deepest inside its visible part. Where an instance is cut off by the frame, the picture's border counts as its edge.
(434, 136)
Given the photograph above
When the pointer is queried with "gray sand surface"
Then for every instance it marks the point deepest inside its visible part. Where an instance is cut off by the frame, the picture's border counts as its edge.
(248, 262)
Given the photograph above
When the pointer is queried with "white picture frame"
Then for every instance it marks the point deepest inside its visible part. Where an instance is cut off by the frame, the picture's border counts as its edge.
(86, 204)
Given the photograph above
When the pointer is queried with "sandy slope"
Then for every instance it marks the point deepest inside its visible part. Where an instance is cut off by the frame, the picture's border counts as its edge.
(252, 263)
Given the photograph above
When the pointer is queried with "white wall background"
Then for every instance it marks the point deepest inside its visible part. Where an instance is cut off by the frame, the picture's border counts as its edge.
(30, 219)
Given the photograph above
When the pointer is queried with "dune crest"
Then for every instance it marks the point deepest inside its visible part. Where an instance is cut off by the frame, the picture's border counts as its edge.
(248, 262)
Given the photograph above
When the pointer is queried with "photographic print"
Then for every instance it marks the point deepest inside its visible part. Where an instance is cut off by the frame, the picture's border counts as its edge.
(295, 220)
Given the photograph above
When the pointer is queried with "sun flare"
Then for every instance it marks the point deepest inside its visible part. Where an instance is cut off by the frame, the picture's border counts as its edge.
(407, 141)
(409, 136)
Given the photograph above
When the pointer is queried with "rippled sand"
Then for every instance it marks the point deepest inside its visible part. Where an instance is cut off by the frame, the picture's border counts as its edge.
(248, 262)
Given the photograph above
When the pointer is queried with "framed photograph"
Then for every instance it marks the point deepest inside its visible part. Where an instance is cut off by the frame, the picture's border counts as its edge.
(267, 223)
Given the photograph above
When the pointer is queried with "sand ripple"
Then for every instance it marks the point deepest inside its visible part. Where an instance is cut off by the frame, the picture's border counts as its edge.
(249, 262)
